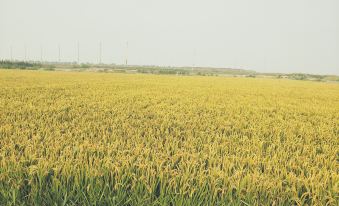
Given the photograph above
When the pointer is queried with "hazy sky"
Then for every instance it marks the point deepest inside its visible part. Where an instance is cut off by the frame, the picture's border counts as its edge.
(263, 35)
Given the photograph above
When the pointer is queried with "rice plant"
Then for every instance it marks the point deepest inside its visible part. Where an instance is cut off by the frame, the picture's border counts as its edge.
(70, 138)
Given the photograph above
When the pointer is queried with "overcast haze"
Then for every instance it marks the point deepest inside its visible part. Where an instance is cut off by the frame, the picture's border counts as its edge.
(262, 35)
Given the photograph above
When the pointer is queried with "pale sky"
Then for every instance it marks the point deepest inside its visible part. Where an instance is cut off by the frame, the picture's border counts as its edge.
(262, 35)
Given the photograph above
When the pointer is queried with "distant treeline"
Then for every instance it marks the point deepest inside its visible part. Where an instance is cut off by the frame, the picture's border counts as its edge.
(157, 70)
(199, 71)
(5, 64)
(314, 77)
(19, 65)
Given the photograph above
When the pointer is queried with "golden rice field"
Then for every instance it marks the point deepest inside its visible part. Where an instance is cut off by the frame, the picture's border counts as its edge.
(72, 138)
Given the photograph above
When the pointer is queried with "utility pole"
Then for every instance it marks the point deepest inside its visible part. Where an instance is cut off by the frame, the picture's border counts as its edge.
(78, 53)
(41, 54)
(11, 51)
(194, 58)
(25, 47)
(126, 53)
(59, 53)
(100, 52)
